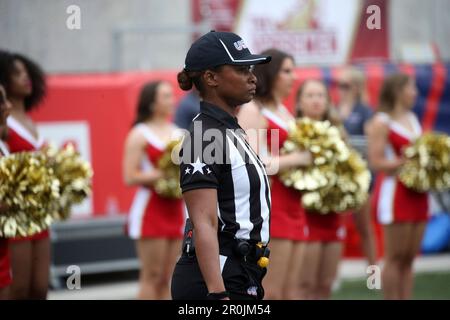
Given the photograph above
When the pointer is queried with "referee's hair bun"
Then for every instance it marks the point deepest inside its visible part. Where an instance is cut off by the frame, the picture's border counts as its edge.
(184, 81)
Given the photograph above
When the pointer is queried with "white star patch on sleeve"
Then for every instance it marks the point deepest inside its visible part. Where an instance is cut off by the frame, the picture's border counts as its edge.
(198, 166)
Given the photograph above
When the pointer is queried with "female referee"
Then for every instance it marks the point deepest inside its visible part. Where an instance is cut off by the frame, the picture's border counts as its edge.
(224, 183)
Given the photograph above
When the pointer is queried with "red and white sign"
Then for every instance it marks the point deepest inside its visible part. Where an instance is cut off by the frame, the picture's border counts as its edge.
(313, 31)
(218, 14)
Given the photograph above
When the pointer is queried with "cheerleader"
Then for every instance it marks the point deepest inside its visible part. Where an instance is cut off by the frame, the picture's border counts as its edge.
(325, 233)
(267, 114)
(5, 269)
(401, 211)
(25, 86)
(154, 222)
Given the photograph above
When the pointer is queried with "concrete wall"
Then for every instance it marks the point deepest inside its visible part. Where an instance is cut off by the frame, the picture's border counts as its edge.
(38, 28)
(419, 21)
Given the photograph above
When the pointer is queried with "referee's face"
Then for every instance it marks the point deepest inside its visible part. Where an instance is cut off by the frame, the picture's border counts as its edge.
(236, 84)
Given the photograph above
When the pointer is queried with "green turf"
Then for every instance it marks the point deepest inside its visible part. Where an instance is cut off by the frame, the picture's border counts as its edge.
(434, 285)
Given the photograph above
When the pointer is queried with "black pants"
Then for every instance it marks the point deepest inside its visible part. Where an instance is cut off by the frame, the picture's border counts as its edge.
(242, 279)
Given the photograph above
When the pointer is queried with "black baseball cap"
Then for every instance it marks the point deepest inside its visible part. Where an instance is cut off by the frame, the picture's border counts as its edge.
(218, 48)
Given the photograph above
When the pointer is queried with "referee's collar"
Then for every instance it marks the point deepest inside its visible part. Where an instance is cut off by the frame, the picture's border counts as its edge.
(219, 114)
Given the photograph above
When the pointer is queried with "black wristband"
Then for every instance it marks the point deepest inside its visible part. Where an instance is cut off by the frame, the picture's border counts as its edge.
(218, 295)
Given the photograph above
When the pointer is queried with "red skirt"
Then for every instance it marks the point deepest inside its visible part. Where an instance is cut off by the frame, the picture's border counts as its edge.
(38, 236)
(325, 227)
(287, 218)
(392, 202)
(153, 216)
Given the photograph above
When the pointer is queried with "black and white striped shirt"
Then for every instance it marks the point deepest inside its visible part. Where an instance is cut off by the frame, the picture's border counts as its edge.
(215, 154)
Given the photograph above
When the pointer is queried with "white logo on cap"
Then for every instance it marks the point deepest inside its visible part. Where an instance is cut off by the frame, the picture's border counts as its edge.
(239, 45)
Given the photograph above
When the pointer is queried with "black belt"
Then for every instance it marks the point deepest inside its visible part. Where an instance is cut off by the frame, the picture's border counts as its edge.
(249, 250)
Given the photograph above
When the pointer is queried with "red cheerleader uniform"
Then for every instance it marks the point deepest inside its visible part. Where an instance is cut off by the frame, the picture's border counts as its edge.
(393, 202)
(5, 269)
(287, 220)
(20, 139)
(151, 215)
(328, 227)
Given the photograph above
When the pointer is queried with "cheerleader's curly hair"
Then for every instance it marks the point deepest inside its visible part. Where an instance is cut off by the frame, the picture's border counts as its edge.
(37, 77)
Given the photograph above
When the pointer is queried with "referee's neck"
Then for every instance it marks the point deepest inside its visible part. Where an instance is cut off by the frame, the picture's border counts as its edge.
(220, 103)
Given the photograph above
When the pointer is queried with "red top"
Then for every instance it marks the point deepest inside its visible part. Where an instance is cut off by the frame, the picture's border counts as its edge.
(20, 139)
(393, 202)
(151, 215)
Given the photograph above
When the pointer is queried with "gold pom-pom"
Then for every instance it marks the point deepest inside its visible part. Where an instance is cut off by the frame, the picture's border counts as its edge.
(337, 180)
(74, 175)
(428, 163)
(326, 146)
(169, 185)
(28, 187)
(347, 188)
